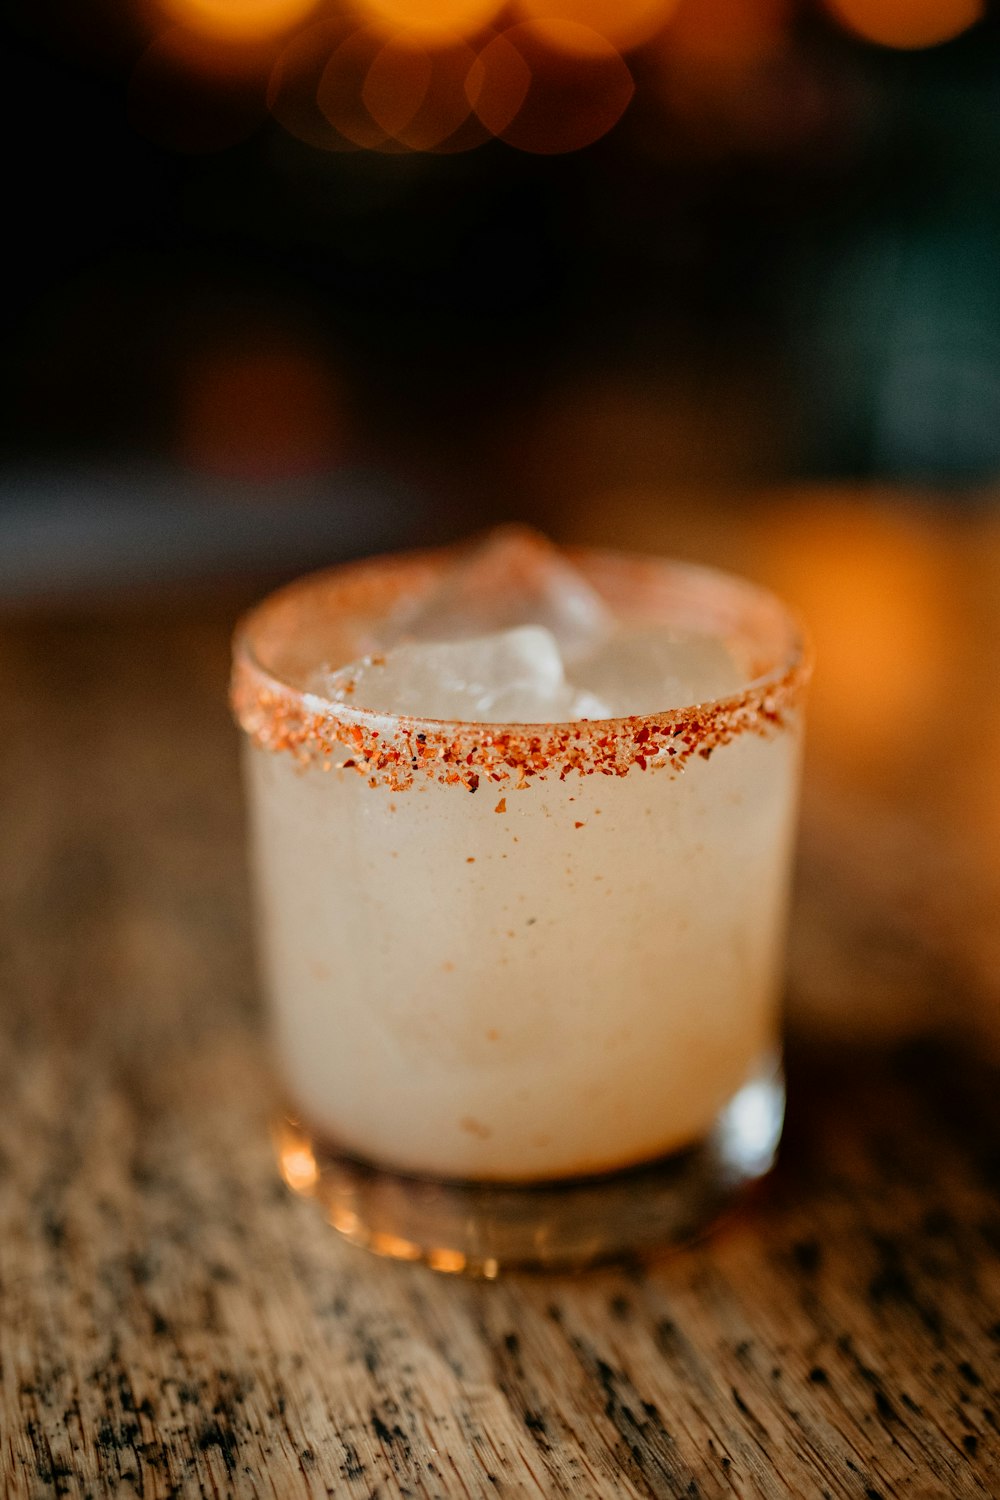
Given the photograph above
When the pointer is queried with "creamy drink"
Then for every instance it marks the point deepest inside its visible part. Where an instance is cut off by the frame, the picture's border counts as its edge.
(522, 833)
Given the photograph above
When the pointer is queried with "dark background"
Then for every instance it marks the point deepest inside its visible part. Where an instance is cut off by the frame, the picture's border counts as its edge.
(268, 354)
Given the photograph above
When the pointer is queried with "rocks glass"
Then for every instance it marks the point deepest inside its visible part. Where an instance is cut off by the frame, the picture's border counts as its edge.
(523, 979)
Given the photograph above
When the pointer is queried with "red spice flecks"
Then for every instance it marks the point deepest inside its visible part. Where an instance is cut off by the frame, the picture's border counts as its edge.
(278, 718)
(395, 752)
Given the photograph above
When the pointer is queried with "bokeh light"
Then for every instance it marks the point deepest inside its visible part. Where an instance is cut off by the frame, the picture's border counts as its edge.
(340, 94)
(430, 19)
(727, 33)
(976, 784)
(875, 586)
(732, 82)
(298, 1166)
(624, 23)
(908, 23)
(238, 20)
(185, 95)
(293, 87)
(876, 583)
(418, 95)
(498, 84)
(395, 86)
(433, 75)
(550, 87)
(259, 414)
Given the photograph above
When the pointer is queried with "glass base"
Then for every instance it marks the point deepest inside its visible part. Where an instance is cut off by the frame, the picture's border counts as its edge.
(480, 1228)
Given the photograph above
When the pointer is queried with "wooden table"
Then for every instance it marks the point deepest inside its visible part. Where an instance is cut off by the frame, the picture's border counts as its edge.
(175, 1323)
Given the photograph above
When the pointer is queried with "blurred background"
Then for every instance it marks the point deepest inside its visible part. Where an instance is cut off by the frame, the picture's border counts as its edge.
(291, 281)
(294, 279)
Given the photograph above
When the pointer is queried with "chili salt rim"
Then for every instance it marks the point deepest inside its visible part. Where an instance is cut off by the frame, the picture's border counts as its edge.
(395, 750)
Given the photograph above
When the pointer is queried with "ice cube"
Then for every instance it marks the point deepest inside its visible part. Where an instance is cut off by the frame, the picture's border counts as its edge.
(514, 577)
(509, 677)
(647, 671)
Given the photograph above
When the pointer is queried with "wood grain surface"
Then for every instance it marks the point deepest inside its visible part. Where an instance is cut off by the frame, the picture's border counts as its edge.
(174, 1323)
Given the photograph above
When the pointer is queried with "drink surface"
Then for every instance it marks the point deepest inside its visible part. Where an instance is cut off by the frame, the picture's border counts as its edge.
(515, 635)
(535, 977)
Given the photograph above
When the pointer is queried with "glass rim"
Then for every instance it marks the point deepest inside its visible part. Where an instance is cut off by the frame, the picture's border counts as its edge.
(279, 714)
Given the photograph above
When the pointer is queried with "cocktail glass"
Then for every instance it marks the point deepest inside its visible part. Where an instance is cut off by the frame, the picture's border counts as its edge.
(524, 980)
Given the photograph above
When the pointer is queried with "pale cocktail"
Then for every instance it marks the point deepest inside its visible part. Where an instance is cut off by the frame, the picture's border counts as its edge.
(523, 937)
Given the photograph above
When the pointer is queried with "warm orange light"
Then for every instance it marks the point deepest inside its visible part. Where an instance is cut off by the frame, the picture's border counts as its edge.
(259, 414)
(731, 81)
(346, 1221)
(624, 23)
(396, 85)
(340, 95)
(472, 132)
(727, 32)
(498, 84)
(430, 19)
(298, 1168)
(294, 84)
(389, 1244)
(238, 20)
(418, 96)
(975, 783)
(452, 1262)
(550, 87)
(908, 23)
(184, 95)
(874, 586)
